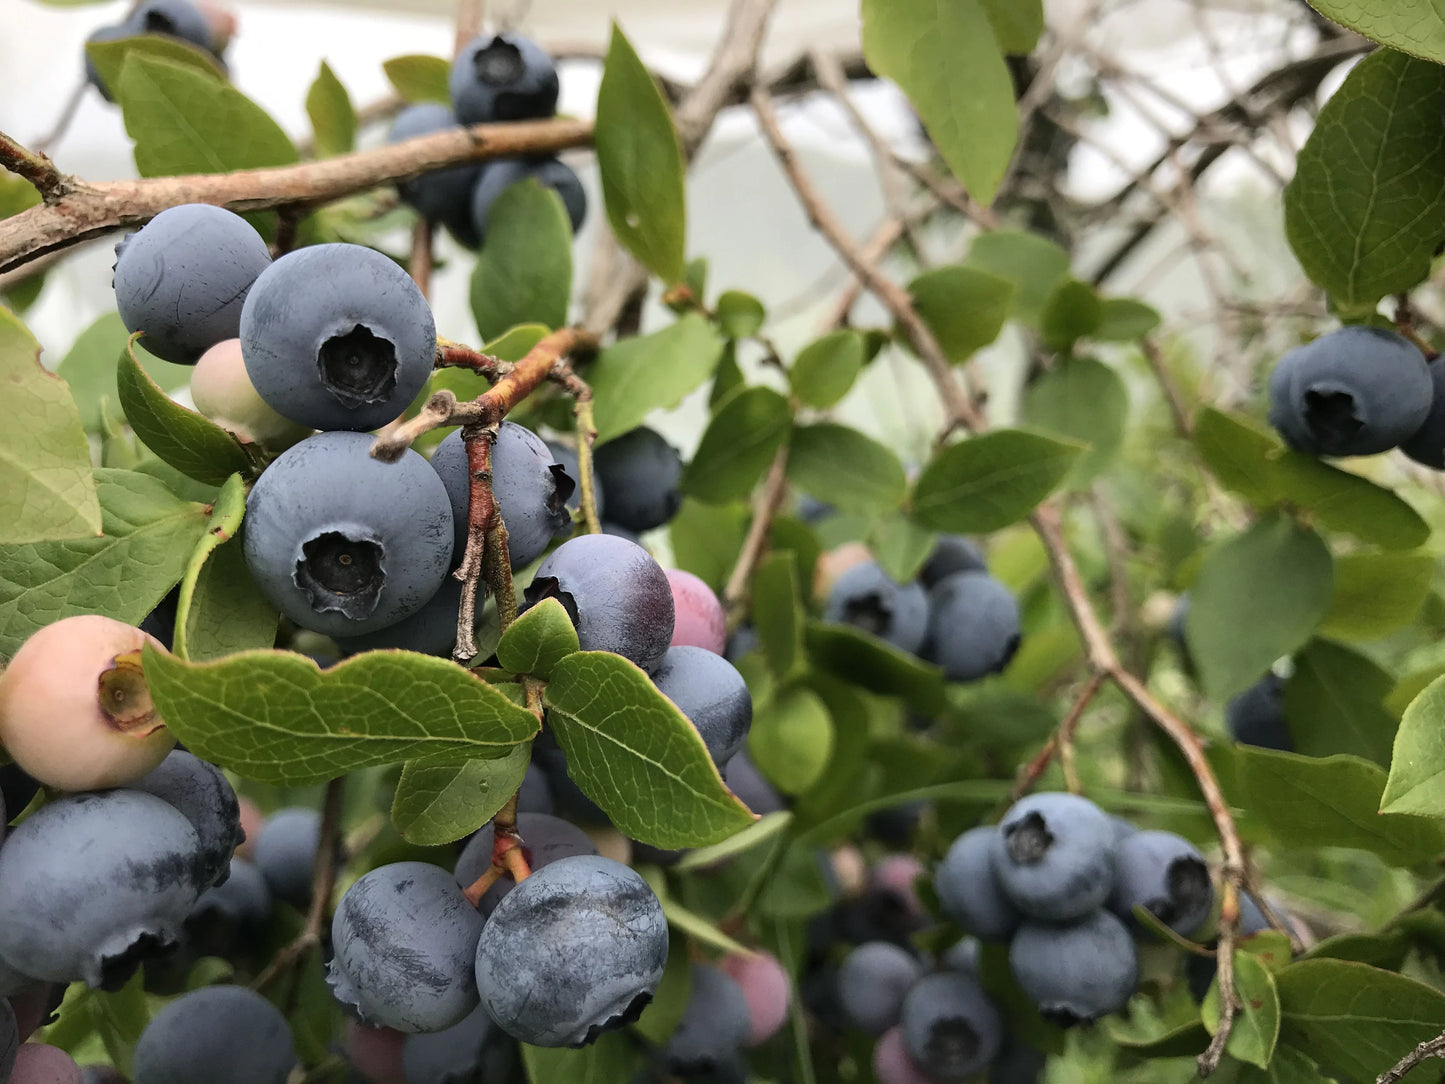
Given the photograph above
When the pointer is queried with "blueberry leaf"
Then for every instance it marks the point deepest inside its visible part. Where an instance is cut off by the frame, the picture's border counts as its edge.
(651, 372)
(739, 315)
(419, 78)
(89, 367)
(865, 660)
(224, 523)
(109, 57)
(538, 640)
(1016, 23)
(523, 274)
(1083, 400)
(1034, 264)
(1256, 1025)
(438, 803)
(1377, 593)
(276, 717)
(738, 445)
(1417, 768)
(873, 480)
(825, 369)
(987, 482)
(610, 1059)
(966, 307)
(1336, 699)
(791, 739)
(1414, 30)
(778, 611)
(333, 119)
(228, 613)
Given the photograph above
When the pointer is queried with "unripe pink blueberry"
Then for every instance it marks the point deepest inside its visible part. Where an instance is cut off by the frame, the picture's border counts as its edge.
(224, 393)
(251, 820)
(891, 1063)
(75, 711)
(699, 615)
(37, 1063)
(375, 1053)
(765, 985)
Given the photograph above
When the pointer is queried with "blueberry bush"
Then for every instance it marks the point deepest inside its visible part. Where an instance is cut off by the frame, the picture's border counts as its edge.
(383, 707)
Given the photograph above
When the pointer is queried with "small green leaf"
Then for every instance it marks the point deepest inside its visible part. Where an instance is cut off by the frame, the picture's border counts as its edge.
(769, 826)
(538, 640)
(1256, 1026)
(1125, 320)
(108, 57)
(987, 482)
(694, 925)
(440, 803)
(825, 369)
(791, 739)
(706, 539)
(190, 442)
(419, 78)
(639, 157)
(523, 274)
(89, 367)
(651, 372)
(1377, 593)
(1085, 401)
(738, 445)
(1400, 26)
(843, 467)
(900, 546)
(333, 119)
(1239, 455)
(1016, 23)
(1335, 699)
(739, 315)
(46, 488)
(228, 611)
(224, 523)
(1417, 768)
(965, 307)
(778, 611)
(1034, 264)
(1073, 311)
(635, 755)
(277, 717)
(149, 535)
(1366, 208)
(1257, 597)
(948, 62)
(867, 661)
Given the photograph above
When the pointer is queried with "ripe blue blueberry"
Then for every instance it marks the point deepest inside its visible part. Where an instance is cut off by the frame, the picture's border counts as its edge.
(973, 626)
(530, 487)
(867, 598)
(1167, 875)
(545, 839)
(205, 798)
(1054, 856)
(1256, 716)
(1076, 972)
(951, 1029)
(505, 77)
(642, 472)
(969, 891)
(432, 630)
(405, 942)
(444, 195)
(218, 1034)
(576, 949)
(1354, 391)
(337, 336)
(285, 853)
(100, 918)
(714, 1024)
(744, 780)
(1427, 444)
(872, 982)
(218, 919)
(183, 279)
(501, 173)
(9, 1039)
(344, 544)
(951, 553)
(712, 694)
(470, 1052)
(615, 593)
(565, 455)
(173, 18)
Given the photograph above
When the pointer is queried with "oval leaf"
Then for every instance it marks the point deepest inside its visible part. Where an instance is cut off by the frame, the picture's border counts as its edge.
(440, 803)
(333, 119)
(824, 370)
(523, 274)
(1338, 697)
(419, 78)
(1256, 1025)
(737, 447)
(843, 467)
(878, 666)
(791, 739)
(964, 306)
(1083, 400)
(777, 611)
(739, 315)
(1417, 768)
(651, 372)
(1401, 26)
(987, 482)
(108, 57)
(538, 640)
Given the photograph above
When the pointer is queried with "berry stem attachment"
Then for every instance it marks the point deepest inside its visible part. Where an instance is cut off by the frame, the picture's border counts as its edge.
(35, 167)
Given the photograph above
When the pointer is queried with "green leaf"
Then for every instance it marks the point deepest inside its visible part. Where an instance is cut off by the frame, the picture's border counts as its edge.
(1239, 455)
(778, 612)
(1337, 697)
(965, 307)
(440, 803)
(875, 665)
(843, 467)
(738, 445)
(1073, 311)
(1258, 596)
(149, 535)
(1124, 319)
(1413, 30)
(221, 527)
(1256, 1025)
(1085, 401)
(1034, 264)
(1016, 23)
(190, 442)
(1377, 593)
(635, 755)
(538, 640)
(634, 376)
(108, 57)
(1355, 1020)
(523, 274)
(739, 315)
(185, 122)
(639, 158)
(228, 612)
(825, 369)
(769, 826)
(694, 925)
(609, 1060)
(46, 488)
(419, 78)
(16, 195)
(1366, 208)
(791, 739)
(276, 717)
(1417, 768)
(987, 482)
(947, 61)
(706, 539)
(89, 367)
(333, 119)
(900, 546)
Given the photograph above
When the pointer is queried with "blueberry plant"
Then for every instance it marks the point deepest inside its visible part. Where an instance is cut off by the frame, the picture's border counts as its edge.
(413, 711)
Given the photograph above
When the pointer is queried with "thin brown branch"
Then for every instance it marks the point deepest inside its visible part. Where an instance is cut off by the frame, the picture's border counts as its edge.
(35, 167)
(1178, 408)
(1060, 739)
(586, 480)
(481, 517)
(420, 264)
(1430, 1048)
(769, 502)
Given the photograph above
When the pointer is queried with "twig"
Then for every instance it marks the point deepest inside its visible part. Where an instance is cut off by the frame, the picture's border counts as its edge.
(481, 516)
(1062, 738)
(586, 434)
(36, 168)
(1430, 1048)
(1178, 409)
(770, 500)
(420, 264)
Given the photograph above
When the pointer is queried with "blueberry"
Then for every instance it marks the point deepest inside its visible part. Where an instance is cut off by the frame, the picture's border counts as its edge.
(951, 1029)
(221, 389)
(224, 913)
(891, 1063)
(714, 1025)
(444, 195)
(766, 989)
(698, 620)
(643, 473)
(566, 456)
(405, 942)
(872, 983)
(1177, 617)
(973, 626)
(545, 839)
(1054, 856)
(432, 630)
(969, 891)
(744, 780)
(99, 918)
(472, 1052)
(505, 77)
(951, 553)
(337, 336)
(9, 1039)
(576, 949)
(1355, 391)
(866, 597)
(712, 694)
(1427, 444)
(173, 18)
(1167, 875)
(963, 956)
(1122, 829)
(1256, 716)
(615, 593)
(285, 850)
(39, 1063)
(1076, 972)
(529, 485)
(501, 173)
(183, 279)
(202, 794)
(219, 1034)
(344, 544)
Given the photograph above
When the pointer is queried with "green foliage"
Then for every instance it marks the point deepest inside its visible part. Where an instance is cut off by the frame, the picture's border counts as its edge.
(419, 78)
(739, 315)
(964, 307)
(523, 274)
(824, 370)
(873, 482)
(1337, 697)
(791, 739)
(439, 803)
(988, 482)
(778, 611)
(1256, 1030)
(1399, 26)
(109, 57)
(738, 445)
(333, 119)
(1085, 401)
(538, 640)
(651, 372)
